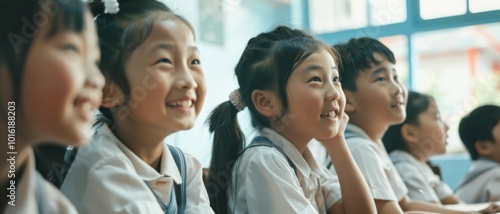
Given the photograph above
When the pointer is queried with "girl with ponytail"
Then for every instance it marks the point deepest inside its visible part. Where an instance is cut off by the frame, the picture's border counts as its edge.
(290, 84)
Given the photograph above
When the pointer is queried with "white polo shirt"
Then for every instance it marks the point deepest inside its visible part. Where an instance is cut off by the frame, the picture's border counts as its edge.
(107, 177)
(483, 182)
(263, 181)
(422, 183)
(375, 165)
(49, 200)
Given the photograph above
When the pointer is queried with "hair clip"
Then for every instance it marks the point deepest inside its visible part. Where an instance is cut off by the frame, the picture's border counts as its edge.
(111, 6)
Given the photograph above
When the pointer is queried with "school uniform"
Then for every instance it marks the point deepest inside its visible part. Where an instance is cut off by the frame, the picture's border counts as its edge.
(263, 180)
(481, 183)
(107, 177)
(374, 163)
(36, 195)
(422, 183)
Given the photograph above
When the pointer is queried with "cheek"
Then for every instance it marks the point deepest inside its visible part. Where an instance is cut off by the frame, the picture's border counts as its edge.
(50, 85)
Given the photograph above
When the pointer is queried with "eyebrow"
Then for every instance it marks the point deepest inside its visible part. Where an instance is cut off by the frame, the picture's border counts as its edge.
(381, 70)
(166, 46)
(317, 67)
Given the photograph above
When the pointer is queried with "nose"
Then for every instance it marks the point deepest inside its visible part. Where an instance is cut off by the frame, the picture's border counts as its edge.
(184, 79)
(94, 79)
(332, 92)
(398, 89)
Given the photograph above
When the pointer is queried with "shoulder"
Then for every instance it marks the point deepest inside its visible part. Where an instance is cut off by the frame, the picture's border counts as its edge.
(262, 158)
(55, 201)
(356, 143)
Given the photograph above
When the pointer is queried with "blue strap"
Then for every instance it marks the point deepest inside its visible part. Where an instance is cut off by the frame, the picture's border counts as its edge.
(180, 189)
(171, 208)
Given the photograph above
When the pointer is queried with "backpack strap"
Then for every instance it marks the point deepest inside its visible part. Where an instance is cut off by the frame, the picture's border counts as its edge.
(264, 141)
(180, 189)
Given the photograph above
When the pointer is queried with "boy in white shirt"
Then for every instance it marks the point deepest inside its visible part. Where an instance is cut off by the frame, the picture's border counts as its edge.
(480, 133)
(375, 100)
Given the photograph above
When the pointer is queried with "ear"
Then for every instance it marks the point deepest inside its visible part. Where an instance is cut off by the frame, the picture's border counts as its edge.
(409, 133)
(266, 103)
(483, 147)
(112, 95)
(350, 103)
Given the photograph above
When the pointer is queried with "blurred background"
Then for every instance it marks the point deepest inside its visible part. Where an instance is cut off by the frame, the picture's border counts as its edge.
(449, 49)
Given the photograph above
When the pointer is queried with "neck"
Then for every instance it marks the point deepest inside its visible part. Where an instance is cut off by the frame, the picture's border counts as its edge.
(146, 145)
(300, 142)
(420, 155)
(373, 130)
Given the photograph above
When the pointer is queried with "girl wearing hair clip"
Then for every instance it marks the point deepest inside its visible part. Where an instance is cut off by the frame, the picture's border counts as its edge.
(50, 86)
(278, 73)
(154, 87)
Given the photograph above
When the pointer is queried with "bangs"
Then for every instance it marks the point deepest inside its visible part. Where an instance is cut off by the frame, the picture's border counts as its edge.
(69, 16)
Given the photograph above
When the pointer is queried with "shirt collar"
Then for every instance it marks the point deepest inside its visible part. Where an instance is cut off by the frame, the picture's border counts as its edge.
(354, 130)
(289, 149)
(168, 168)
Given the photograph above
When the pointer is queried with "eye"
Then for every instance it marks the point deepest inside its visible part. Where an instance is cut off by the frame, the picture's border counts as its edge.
(336, 79)
(396, 77)
(380, 79)
(164, 60)
(196, 62)
(315, 79)
(70, 47)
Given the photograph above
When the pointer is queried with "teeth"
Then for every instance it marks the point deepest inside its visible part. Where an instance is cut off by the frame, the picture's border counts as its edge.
(86, 106)
(328, 114)
(185, 103)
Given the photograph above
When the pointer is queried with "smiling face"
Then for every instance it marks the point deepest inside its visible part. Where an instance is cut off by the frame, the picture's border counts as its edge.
(379, 98)
(315, 99)
(61, 86)
(166, 80)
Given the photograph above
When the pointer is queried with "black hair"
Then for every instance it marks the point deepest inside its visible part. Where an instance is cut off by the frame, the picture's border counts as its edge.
(417, 103)
(478, 125)
(20, 21)
(120, 34)
(357, 56)
(266, 64)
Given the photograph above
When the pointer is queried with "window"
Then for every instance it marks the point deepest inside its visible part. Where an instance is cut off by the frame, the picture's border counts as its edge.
(461, 73)
(383, 12)
(477, 6)
(336, 15)
(431, 9)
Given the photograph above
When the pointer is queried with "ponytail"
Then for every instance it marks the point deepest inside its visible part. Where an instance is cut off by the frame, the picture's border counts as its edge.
(266, 64)
(227, 142)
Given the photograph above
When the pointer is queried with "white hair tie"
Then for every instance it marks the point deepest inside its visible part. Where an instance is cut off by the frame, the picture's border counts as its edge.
(235, 99)
(111, 6)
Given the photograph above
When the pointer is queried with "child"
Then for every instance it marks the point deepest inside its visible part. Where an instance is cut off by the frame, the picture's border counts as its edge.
(411, 143)
(278, 72)
(49, 87)
(375, 99)
(480, 133)
(154, 87)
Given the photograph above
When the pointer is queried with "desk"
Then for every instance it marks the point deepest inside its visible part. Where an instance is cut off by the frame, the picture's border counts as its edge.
(469, 207)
